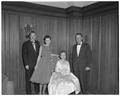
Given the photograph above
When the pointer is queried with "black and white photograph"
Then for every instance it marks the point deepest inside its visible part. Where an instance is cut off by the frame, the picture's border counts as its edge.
(60, 47)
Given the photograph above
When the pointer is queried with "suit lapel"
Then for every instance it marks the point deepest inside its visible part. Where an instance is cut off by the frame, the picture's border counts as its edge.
(81, 49)
(36, 44)
(76, 49)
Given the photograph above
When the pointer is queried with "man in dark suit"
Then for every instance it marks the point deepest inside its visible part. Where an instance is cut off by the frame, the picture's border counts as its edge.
(30, 51)
(81, 60)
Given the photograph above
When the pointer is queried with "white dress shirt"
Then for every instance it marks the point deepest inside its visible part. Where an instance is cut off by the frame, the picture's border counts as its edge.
(78, 49)
(33, 43)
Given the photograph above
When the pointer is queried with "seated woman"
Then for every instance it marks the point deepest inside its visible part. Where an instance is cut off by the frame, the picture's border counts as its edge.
(62, 80)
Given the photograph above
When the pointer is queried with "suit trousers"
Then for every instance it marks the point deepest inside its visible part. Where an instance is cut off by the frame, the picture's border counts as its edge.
(28, 75)
(83, 77)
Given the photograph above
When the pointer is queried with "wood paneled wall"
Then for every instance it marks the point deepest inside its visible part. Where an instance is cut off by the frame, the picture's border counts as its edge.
(74, 25)
(13, 36)
(100, 31)
(102, 34)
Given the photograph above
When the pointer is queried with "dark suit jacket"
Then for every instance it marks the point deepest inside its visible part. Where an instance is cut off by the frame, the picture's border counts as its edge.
(83, 60)
(29, 55)
(79, 63)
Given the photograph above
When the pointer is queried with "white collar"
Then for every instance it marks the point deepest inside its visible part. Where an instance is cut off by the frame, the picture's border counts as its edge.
(32, 41)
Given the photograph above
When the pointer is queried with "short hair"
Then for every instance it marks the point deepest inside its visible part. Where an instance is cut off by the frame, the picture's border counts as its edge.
(31, 33)
(47, 36)
(79, 34)
(62, 51)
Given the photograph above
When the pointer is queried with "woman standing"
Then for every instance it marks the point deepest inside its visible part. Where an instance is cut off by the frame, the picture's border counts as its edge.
(44, 66)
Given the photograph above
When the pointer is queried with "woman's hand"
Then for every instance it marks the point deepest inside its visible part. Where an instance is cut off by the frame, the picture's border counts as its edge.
(54, 55)
(77, 91)
(36, 66)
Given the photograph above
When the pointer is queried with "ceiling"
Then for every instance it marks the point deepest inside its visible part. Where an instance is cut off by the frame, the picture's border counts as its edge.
(66, 4)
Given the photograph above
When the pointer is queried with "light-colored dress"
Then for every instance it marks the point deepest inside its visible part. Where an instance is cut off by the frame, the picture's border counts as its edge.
(63, 82)
(45, 66)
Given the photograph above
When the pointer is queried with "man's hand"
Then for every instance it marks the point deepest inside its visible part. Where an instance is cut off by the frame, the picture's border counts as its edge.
(87, 68)
(27, 67)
